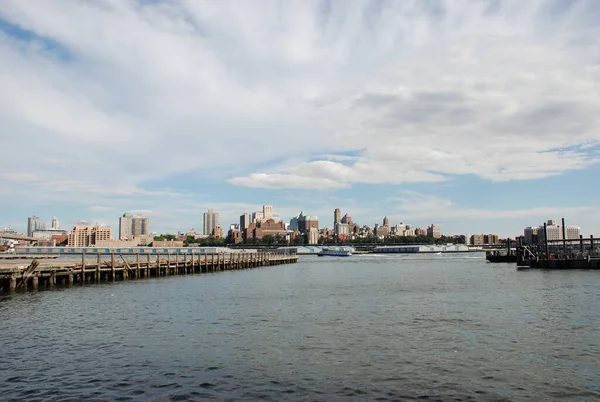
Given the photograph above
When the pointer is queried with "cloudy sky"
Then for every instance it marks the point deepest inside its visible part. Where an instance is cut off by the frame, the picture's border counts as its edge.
(479, 116)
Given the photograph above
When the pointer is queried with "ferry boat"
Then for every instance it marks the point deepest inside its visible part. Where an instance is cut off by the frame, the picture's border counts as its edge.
(334, 252)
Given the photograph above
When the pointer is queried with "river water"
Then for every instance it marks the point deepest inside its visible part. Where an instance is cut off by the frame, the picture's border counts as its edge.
(368, 327)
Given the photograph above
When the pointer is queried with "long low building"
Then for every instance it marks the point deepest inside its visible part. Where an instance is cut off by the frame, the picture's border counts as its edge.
(412, 249)
(128, 250)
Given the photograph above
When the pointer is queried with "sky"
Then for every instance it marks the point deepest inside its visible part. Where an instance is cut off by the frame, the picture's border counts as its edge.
(477, 116)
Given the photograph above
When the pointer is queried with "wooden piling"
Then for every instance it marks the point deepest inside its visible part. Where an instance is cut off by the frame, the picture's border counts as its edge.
(82, 279)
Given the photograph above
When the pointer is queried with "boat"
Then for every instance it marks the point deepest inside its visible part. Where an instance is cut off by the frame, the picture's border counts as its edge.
(334, 252)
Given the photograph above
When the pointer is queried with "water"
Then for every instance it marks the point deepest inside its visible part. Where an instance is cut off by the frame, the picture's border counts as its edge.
(368, 327)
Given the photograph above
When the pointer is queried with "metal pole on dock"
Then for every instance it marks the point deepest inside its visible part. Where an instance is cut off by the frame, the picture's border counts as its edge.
(564, 238)
(546, 239)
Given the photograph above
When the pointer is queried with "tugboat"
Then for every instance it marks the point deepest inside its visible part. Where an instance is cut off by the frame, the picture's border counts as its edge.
(334, 252)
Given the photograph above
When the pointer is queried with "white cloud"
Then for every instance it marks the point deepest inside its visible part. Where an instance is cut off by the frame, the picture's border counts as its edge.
(110, 96)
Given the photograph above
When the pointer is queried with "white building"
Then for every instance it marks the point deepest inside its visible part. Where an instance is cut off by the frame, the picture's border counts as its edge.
(211, 221)
(555, 232)
(55, 223)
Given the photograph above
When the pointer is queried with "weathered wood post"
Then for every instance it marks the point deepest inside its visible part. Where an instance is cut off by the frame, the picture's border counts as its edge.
(168, 262)
(148, 267)
(212, 262)
(51, 279)
(581, 243)
(12, 286)
(112, 266)
(176, 262)
(83, 268)
(193, 269)
(35, 281)
(98, 267)
(70, 279)
(139, 266)
(591, 244)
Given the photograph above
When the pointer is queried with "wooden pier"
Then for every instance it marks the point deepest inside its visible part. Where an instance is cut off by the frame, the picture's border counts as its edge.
(103, 266)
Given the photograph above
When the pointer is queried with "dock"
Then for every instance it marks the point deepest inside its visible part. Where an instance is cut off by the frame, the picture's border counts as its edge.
(582, 253)
(66, 267)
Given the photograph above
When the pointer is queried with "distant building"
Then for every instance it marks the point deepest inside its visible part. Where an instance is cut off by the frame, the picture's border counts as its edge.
(234, 236)
(245, 221)
(55, 223)
(404, 230)
(88, 236)
(34, 223)
(555, 232)
(491, 239)
(211, 220)
(386, 221)
(47, 234)
(347, 219)
(293, 226)
(217, 233)
(305, 222)
(433, 232)
(260, 229)
(531, 235)
(477, 240)
(131, 227)
(313, 236)
(420, 232)
(337, 218)
(125, 224)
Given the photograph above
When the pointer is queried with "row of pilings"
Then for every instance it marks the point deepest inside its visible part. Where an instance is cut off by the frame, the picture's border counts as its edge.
(101, 267)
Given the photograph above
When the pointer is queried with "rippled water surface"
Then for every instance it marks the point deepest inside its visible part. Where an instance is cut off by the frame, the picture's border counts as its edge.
(366, 327)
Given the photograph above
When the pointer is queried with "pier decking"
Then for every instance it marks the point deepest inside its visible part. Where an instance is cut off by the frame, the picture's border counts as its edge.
(101, 265)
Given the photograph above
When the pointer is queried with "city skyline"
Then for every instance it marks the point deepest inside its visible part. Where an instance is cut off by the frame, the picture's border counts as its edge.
(478, 119)
(427, 229)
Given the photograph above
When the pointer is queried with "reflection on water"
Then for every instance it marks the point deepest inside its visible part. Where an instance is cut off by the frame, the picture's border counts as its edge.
(368, 327)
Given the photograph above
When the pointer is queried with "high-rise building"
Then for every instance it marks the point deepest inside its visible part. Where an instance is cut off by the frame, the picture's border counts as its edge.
(211, 220)
(125, 225)
(88, 236)
(133, 227)
(34, 223)
(337, 218)
(245, 221)
(433, 231)
(531, 235)
(267, 212)
(55, 223)
(554, 231)
(140, 226)
(386, 221)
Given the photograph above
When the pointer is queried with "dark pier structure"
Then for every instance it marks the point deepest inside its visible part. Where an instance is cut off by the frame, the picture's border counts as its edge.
(91, 265)
(582, 253)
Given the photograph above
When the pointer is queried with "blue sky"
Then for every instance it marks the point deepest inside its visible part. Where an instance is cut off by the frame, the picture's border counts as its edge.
(481, 117)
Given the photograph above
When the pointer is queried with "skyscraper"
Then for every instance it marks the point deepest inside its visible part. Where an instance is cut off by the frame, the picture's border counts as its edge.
(337, 218)
(211, 220)
(140, 226)
(34, 223)
(125, 224)
(131, 227)
(245, 221)
(55, 223)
